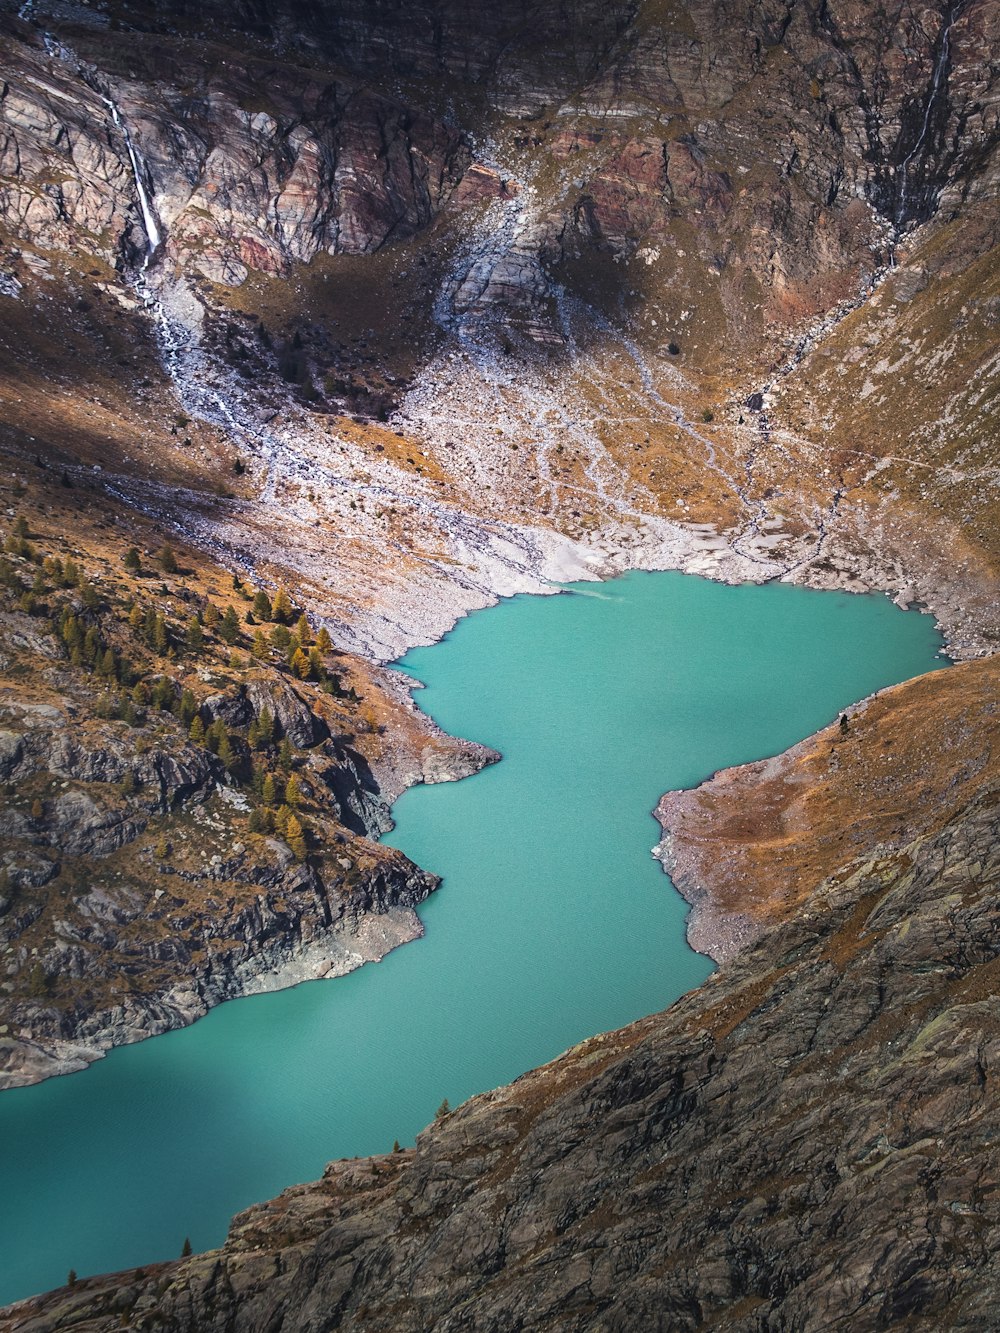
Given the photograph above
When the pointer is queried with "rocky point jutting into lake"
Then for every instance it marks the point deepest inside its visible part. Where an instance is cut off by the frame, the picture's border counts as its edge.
(323, 326)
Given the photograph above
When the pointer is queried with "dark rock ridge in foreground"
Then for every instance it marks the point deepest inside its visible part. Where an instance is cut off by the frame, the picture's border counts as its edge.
(806, 1142)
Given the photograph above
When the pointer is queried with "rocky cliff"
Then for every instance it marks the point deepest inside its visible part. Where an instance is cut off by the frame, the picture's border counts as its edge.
(187, 807)
(807, 1142)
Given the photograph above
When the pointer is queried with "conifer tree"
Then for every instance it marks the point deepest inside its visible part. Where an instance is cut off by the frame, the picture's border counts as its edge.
(323, 641)
(229, 627)
(161, 638)
(195, 635)
(262, 605)
(140, 693)
(281, 817)
(107, 666)
(135, 618)
(303, 630)
(293, 792)
(316, 667)
(210, 617)
(295, 837)
(285, 755)
(269, 791)
(300, 664)
(131, 560)
(197, 731)
(226, 752)
(187, 709)
(259, 649)
(281, 607)
(281, 636)
(168, 561)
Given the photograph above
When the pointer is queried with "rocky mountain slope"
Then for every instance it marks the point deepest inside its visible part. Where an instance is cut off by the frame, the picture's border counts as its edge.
(191, 780)
(806, 1142)
(407, 308)
(503, 316)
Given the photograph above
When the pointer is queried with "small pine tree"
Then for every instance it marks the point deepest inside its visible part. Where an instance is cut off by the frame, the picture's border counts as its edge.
(323, 641)
(844, 725)
(140, 693)
(262, 606)
(281, 607)
(316, 667)
(300, 664)
(269, 791)
(195, 635)
(303, 630)
(197, 731)
(91, 644)
(443, 1110)
(91, 597)
(266, 721)
(281, 636)
(395, 1146)
(71, 1278)
(210, 616)
(168, 561)
(229, 626)
(135, 618)
(107, 666)
(186, 1248)
(293, 792)
(256, 821)
(281, 817)
(259, 649)
(295, 837)
(71, 574)
(20, 528)
(129, 784)
(131, 560)
(215, 735)
(285, 755)
(161, 638)
(163, 849)
(226, 752)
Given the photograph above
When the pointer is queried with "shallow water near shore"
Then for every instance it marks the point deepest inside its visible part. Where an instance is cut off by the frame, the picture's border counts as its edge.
(553, 922)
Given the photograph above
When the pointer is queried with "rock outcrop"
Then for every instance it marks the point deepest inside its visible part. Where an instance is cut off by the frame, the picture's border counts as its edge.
(747, 847)
(806, 1142)
(149, 868)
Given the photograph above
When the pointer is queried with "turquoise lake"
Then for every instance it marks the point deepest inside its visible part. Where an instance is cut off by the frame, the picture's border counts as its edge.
(553, 921)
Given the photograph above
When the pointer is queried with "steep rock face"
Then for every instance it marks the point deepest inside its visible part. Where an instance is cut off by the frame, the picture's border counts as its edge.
(146, 869)
(805, 1142)
(238, 179)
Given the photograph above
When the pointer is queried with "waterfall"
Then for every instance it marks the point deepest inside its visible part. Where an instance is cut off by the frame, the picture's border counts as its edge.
(938, 75)
(149, 221)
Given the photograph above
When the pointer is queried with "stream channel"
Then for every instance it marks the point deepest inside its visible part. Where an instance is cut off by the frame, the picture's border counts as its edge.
(553, 921)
